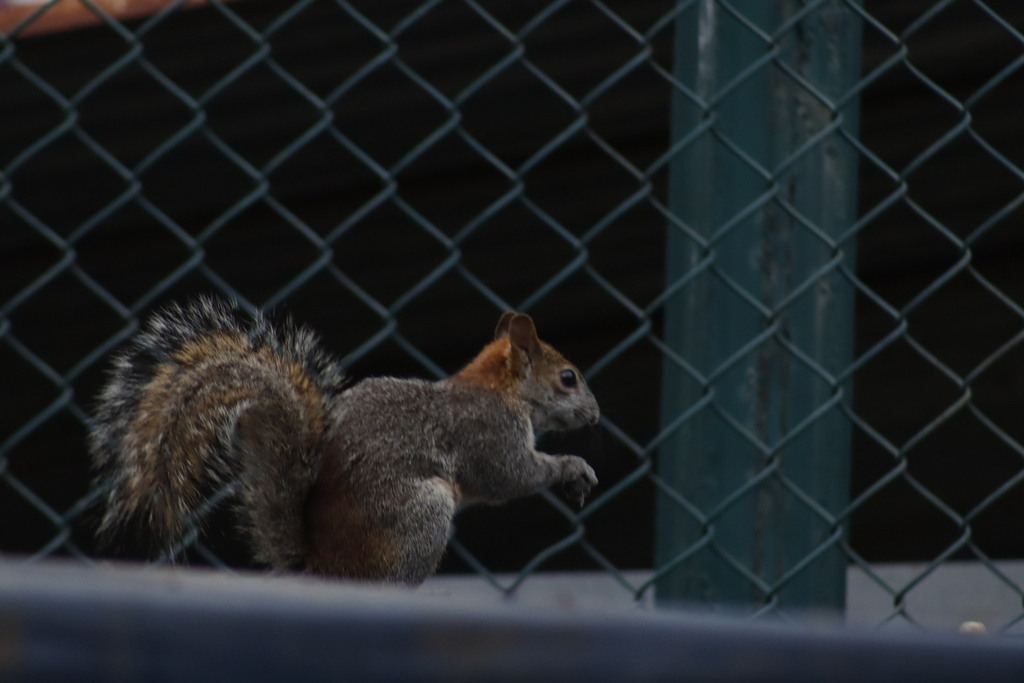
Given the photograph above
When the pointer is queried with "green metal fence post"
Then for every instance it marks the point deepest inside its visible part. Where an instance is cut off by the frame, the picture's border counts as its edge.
(757, 454)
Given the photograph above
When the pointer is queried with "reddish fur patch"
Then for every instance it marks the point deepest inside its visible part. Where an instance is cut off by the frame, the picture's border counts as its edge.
(498, 367)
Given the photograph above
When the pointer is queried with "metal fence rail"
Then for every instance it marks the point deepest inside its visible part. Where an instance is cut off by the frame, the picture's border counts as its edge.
(273, 630)
(677, 190)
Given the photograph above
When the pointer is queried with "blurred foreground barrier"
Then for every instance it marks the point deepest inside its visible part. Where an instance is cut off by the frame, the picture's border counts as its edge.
(90, 624)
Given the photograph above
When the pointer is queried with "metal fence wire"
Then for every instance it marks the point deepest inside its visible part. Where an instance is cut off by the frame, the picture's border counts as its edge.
(779, 237)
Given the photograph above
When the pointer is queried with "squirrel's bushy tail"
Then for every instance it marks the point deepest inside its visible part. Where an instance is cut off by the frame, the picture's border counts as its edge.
(209, 396)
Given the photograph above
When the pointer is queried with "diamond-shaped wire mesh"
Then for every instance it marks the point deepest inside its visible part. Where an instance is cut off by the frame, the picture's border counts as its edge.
(395, 174)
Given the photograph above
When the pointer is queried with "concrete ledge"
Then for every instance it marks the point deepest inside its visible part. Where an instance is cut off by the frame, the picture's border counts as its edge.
(72, 622)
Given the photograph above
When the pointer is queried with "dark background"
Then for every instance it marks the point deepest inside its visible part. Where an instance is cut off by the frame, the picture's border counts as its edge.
(142, 249)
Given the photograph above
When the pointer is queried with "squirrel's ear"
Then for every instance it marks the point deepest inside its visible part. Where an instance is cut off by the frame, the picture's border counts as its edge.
(523, 333)
(503, 324)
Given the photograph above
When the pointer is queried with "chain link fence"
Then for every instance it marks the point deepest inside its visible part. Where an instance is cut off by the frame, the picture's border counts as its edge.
(395, 174)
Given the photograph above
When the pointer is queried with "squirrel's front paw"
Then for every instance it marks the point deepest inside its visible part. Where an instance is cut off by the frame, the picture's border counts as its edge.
(578, 478)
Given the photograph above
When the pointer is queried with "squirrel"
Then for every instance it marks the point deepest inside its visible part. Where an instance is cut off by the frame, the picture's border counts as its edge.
(351, 480)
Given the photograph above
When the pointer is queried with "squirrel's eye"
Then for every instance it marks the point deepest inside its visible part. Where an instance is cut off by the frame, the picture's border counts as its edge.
(568, 378)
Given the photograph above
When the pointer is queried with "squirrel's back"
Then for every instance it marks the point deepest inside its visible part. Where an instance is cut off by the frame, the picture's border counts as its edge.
(190, 401)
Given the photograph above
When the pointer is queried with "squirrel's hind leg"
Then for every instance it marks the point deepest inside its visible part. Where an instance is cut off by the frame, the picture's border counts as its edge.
(397, 538)
(424, 529)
